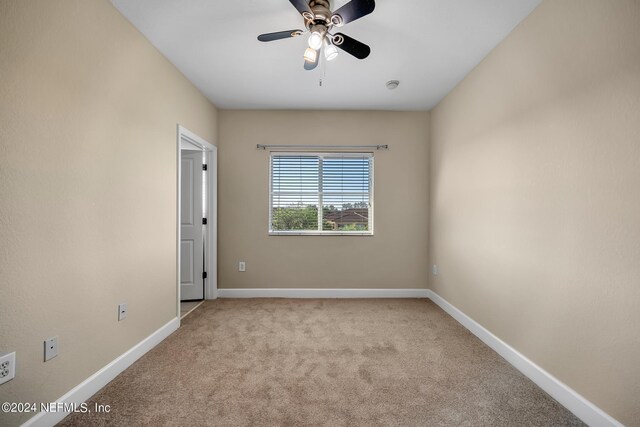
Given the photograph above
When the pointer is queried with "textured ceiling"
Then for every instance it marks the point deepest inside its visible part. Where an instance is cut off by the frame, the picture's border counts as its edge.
(429, 45)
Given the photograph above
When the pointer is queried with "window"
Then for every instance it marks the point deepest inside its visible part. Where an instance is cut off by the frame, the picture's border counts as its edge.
(328, 193)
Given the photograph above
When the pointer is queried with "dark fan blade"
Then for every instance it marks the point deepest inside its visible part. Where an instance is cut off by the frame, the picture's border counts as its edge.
(352, 46)
(355, 9)
(302, 6)
(269, 37)
(312, 65)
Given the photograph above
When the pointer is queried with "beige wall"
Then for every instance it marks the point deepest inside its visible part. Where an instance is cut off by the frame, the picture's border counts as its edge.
(535, 196)
(534, 182)
(87, 189)
(395, 257)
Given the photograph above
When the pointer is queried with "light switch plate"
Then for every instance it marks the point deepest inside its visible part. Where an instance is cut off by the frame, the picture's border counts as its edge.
(50, 348)
(122, 311)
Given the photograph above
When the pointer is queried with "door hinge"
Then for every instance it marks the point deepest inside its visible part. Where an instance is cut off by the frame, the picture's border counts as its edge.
(204, 167)
(204, 221)
(204, 274)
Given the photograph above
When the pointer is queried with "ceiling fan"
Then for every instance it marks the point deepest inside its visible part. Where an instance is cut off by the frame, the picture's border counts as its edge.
(319, 21)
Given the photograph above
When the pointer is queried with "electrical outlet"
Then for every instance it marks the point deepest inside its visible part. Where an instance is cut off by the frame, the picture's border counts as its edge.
(122, 312)
(7, 367)
(434, 270)
(242, 266)
(50, 348)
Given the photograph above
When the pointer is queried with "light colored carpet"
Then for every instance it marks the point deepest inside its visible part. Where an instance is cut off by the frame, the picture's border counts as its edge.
(254, 362)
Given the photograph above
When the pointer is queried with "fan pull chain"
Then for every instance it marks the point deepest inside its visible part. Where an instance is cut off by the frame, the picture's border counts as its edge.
(323, 73)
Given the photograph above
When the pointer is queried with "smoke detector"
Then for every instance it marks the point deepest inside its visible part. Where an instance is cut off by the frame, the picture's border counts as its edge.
(392, 84)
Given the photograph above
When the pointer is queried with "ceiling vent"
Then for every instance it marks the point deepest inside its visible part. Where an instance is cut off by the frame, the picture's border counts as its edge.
(393, 84)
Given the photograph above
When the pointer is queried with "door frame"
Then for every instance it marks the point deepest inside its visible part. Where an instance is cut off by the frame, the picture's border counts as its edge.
(210, 265)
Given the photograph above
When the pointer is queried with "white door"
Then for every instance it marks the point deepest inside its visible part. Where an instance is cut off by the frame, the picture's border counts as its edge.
(191, 227)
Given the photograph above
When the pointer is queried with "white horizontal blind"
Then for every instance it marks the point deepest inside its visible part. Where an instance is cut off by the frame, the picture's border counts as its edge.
(328, 193)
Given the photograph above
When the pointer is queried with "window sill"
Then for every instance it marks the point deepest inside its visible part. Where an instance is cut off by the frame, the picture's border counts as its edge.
(318, 233)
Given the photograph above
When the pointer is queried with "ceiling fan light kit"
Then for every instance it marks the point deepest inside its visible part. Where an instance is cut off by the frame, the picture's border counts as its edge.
(319, 21)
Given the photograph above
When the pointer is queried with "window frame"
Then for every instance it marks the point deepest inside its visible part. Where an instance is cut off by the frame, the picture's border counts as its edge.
(319, 232)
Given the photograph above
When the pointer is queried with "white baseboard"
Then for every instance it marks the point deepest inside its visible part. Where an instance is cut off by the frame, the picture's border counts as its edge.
(83, 391)
(322, 293)
(566, 396)
(212, 294)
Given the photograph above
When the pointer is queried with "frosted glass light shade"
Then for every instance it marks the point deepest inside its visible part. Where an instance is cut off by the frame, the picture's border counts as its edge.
(310, 55)
(330, 52)
(315, 40)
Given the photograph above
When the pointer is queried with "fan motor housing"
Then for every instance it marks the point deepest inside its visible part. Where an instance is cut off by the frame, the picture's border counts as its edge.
(321, 10)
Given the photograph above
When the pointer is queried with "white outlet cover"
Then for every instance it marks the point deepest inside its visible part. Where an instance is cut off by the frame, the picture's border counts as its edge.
(7, 367)
(50, 348)
(434, 270)
(242, 266)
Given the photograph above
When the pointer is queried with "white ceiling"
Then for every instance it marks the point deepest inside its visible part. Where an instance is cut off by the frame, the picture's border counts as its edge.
(429, 45)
